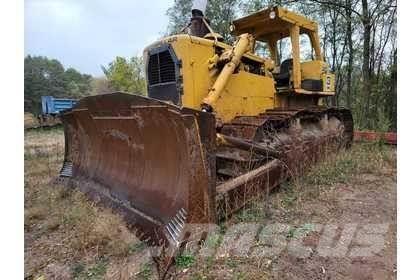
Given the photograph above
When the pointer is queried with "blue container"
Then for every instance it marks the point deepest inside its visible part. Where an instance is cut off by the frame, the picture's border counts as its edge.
(53, 106)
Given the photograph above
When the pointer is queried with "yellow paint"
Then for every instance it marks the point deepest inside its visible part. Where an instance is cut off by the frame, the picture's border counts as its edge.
(312, 69)
(297, 75)
(233, 56)
(242, 93)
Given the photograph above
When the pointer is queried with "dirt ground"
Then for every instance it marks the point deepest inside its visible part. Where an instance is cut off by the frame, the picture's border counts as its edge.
(352, 196)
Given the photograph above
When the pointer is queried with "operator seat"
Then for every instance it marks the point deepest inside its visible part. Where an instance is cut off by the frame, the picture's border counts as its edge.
(283, 77)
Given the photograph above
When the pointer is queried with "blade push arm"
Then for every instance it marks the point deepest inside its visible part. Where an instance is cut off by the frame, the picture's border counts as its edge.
(243, 45)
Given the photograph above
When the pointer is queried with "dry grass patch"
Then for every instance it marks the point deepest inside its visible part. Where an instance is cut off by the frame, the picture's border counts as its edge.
(345, 167)
(63, 229)
(319, 183)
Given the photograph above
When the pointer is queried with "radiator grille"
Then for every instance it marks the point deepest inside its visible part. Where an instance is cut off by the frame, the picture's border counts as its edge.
(161, 68)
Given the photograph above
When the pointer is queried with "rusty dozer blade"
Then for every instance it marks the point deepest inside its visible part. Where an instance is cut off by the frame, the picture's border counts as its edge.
(159, 164)
(143, 157)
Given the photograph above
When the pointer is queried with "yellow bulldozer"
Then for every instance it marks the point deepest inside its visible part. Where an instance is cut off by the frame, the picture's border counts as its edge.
(221, 124)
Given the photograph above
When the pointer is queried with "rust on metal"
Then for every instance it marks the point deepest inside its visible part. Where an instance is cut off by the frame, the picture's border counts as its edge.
(296, 139)
(143, 157)
(371, 136)
(230, 141)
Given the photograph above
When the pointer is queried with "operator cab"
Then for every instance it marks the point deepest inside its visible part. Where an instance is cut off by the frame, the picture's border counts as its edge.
(278, 31)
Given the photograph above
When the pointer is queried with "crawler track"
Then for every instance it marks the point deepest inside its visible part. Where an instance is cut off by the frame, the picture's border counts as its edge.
(301, 137)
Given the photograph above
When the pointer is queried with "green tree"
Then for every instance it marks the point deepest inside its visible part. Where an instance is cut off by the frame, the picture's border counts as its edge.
(179, 16)
(100, 85)
(44, 76)
(219, 12)
(77, 84)
(126, 75)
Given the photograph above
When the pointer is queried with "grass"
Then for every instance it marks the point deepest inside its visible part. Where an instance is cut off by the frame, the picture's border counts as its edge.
(231, 263)
(362, 158)
(240, 276)
(342, 168)
(299, 231)
(184, 260)
(136, 247)
(320, 180)
(145, 272)
(96, 271)
(253, 213)
(61, 225)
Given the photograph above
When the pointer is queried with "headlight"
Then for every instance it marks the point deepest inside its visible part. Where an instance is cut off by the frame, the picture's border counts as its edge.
(232, 28)
(272, 14)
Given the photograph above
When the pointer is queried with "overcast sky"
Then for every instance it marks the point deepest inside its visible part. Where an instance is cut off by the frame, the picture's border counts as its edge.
(85, 34)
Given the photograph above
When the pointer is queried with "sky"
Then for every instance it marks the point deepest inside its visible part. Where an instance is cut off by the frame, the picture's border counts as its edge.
(86, 34)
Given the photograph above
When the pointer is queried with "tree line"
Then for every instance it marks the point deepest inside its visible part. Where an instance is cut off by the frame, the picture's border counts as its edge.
(46, 76)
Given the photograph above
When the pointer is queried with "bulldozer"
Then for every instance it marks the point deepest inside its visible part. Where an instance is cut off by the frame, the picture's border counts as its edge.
(221, 124)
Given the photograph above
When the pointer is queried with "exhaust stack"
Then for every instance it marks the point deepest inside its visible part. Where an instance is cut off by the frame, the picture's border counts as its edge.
(199, 6)
(197, 26)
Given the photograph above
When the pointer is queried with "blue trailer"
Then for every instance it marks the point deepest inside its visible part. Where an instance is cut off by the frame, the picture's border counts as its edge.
(53, 106)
